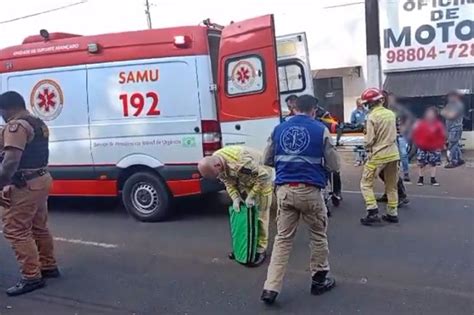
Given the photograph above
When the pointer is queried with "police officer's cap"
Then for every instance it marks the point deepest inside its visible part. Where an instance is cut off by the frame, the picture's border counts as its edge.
(11, 100)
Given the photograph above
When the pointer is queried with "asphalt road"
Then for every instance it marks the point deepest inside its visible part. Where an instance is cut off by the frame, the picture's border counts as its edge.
(115, 265)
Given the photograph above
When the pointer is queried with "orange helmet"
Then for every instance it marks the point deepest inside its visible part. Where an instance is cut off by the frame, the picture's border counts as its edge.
(371, 95)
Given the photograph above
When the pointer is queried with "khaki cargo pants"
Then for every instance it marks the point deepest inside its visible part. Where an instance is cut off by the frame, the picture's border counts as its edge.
(25, 227)
(264, 204)
(294, 203)
(369, 174)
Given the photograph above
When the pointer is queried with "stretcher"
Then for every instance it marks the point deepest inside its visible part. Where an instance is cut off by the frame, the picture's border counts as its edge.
(329, 196)
(350, 139)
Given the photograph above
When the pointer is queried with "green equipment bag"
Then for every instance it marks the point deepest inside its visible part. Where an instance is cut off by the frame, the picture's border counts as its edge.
(244, 233)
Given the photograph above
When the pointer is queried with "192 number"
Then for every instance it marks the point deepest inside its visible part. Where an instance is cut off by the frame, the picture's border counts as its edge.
(137, 102)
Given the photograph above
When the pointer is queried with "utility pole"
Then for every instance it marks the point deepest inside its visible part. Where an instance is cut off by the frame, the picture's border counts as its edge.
(148, 13)
(372, 28)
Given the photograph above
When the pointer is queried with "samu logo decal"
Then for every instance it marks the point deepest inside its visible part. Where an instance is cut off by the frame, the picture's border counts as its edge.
(243, 75)
(295, 140)
(47, 99)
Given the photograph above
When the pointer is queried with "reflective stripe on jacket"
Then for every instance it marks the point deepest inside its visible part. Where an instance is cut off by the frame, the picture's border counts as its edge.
(299, 152)
(245, 172)
(381, 137)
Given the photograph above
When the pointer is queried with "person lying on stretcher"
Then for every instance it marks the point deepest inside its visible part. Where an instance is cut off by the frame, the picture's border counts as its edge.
(357, 123)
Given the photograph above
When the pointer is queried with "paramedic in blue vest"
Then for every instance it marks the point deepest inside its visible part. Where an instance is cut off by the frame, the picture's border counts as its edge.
(301, 151)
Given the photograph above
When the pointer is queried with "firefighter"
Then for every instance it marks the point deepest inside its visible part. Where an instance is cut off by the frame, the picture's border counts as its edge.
(242, 171)
(303, 155)
(26, 183)
(383, 155)
(404, 123)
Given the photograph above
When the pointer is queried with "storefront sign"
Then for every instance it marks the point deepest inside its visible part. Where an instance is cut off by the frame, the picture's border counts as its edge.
(420, 34)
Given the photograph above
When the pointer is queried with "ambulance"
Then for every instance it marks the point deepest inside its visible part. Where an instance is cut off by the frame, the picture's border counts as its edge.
(130, 114)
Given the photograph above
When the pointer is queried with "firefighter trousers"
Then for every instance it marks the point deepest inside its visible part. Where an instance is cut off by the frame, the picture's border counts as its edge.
(25, 227)
(264, 204)
(390, 171)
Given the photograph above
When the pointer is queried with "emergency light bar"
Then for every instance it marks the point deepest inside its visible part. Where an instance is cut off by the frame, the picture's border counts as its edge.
(182, 41)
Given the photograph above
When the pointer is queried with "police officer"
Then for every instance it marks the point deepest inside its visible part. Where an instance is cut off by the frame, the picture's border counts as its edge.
(302, 153)
(383, 155)
(242, 171)
(26, 183)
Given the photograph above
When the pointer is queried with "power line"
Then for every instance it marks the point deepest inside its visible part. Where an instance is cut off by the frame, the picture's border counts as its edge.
(44, 12)
(343, 5)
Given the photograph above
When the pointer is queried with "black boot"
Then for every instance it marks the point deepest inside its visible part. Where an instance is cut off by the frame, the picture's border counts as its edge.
(336, 199)
(321, 283)
(25, 286)
(403, 201)
(259, 259)
(372, 218)
(268, 297)
(390, 218)
(50, 273)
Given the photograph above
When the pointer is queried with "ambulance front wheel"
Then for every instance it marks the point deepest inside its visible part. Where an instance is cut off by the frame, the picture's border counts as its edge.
(146, 197)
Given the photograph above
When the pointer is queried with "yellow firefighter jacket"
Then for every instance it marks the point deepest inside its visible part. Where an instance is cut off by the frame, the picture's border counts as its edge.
(381, 137)
(244, 172)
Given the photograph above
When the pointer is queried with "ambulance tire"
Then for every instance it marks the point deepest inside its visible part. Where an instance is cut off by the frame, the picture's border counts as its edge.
(146, 197)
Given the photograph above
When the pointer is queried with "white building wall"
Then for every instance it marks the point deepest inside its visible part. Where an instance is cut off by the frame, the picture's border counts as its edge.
(340, 42)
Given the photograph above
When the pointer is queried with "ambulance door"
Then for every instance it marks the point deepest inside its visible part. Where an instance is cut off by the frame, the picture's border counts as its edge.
(249, 106)
(294, 70)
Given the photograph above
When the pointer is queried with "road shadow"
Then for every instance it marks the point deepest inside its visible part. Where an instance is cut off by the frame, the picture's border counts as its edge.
(185, 208)
(209, 205)
(86, 205)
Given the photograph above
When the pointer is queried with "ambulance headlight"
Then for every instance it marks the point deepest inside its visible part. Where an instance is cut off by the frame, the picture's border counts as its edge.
(182, 41)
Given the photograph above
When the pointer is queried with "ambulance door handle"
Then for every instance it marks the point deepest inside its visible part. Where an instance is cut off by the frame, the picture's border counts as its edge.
(238, 127)
(197, 130)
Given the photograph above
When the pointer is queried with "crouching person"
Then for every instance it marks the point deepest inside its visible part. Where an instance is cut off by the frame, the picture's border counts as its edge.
(242, 171)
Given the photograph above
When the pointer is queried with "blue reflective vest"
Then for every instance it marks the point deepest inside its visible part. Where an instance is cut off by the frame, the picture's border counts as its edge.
(299, 152)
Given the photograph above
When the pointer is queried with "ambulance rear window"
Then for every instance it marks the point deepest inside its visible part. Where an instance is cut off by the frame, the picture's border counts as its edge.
(245, 75)
(291, 77)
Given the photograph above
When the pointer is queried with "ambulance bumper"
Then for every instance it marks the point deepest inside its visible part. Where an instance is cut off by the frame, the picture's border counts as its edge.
(184, 180)
(210, 186)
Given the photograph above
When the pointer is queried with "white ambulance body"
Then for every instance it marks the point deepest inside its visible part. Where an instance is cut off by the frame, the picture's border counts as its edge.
(132, 113)
(294, 70)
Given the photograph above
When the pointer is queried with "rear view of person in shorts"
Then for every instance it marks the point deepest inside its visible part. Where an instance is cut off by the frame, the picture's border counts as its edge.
(429, 135)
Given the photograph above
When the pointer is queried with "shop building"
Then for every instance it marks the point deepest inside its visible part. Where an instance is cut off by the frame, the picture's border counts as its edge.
(427, 50)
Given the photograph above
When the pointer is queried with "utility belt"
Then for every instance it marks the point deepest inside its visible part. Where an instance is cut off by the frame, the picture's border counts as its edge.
(20, 178)
(301, 185)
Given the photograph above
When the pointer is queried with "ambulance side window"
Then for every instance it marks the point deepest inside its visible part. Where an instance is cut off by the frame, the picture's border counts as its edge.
(245, 75)
(291, 77)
